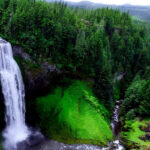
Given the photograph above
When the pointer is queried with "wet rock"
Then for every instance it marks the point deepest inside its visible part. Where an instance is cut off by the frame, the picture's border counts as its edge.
(37, 79)
(35, 139)
(50, 68)
(18, 51)
(54, 145)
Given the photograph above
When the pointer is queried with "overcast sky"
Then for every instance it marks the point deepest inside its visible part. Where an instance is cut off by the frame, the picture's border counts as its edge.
(118, 2)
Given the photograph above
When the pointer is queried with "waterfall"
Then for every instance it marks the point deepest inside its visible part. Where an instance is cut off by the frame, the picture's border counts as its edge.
(13, 92)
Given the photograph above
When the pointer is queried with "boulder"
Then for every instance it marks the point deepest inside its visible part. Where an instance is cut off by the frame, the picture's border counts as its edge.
(18, 51)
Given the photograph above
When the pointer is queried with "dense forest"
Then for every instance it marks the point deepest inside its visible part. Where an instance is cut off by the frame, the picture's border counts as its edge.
(140, 12)
(107, 56)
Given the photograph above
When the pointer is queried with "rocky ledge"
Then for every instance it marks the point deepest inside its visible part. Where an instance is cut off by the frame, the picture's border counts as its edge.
(38, 78)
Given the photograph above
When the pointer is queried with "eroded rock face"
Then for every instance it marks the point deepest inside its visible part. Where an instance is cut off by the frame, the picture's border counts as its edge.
(18, 51)
(37, 79)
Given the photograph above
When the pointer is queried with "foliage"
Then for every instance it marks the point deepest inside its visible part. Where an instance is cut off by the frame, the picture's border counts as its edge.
(134, 134)
(137, 102)
(116, 95)
(74, 115)
(97, 43)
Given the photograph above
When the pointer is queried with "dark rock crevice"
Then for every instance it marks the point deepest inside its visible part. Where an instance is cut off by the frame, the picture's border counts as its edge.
(38, 80)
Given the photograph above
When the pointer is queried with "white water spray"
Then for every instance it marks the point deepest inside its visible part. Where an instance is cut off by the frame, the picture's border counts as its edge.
(13, 91)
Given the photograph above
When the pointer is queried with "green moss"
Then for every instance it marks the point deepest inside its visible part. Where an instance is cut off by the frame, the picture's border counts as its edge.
(133, 133)
(73, 115)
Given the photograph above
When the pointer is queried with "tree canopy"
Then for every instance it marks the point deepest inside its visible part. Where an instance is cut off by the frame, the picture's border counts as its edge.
(98, 43)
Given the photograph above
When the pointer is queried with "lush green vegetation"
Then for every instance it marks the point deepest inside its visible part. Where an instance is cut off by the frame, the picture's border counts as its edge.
(100, 45)
(74, 115)
(135, 134)
(137, 104)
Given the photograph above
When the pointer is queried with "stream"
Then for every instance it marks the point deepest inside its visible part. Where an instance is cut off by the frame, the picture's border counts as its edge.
(116, 127)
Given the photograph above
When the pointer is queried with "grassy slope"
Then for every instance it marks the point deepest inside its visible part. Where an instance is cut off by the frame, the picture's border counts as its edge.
(134, 133)
(73, 115)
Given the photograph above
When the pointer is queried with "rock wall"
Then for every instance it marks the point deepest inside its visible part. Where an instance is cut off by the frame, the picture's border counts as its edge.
(37, 79)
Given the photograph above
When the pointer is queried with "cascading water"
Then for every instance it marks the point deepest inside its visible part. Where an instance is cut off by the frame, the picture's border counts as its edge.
(115, 125)
(13, 91)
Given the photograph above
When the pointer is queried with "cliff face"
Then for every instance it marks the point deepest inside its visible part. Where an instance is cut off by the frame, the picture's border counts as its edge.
(38, 77)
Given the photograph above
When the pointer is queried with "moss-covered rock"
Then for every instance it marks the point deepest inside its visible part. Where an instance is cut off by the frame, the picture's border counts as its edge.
(74, 115)
(134, 134)
(38, 75)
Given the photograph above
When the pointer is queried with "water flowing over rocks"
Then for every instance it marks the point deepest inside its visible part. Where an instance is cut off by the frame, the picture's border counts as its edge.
(54, 145)
(115, 125)
(13, 92)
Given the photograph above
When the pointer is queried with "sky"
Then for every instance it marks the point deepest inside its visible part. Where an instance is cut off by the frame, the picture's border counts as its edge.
(118, 2)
